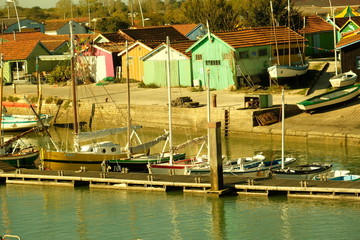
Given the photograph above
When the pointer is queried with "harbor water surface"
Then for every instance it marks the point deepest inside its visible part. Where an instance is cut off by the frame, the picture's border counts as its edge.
(44, 212)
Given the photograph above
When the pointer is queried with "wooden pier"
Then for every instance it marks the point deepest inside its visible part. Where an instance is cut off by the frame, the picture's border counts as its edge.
(192, 183)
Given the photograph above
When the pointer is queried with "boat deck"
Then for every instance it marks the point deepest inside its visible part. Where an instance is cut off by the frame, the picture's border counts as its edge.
(190, 183)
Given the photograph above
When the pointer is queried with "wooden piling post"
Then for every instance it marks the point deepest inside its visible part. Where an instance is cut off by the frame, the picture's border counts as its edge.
(216, 166)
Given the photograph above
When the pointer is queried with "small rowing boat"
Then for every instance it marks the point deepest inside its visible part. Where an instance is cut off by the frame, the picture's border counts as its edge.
(343, 79)
(330, 98)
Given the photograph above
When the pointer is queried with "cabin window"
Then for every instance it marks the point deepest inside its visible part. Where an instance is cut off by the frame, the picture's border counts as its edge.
(113, 149)
(244, 54)
(253, 53)
(198, 57)
(212, 62)
(103, 150)
(285, 51)
(262, 52)
(357, 62)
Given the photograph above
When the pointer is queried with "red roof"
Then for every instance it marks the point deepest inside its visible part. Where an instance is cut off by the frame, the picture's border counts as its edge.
(315, 24)
(52, 45)
(249, 37)
(19, 50)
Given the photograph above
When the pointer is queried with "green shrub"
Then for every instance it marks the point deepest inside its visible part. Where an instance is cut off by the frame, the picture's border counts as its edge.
(49, 100)
(143, 85)
(67, 104)
(197, 89)
(33, 99)
(60, 74)
(13, 99)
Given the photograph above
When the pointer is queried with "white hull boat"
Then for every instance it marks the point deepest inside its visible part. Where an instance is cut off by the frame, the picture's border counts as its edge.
(285, 71)
(23, 122)
(343, 79)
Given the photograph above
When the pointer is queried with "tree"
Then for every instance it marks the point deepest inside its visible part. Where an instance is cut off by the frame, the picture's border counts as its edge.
(257, 13)
(64, 8)
(219, 13)
(111, 24)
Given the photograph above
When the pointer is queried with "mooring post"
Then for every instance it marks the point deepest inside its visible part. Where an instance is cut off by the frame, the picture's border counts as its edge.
(216, 166)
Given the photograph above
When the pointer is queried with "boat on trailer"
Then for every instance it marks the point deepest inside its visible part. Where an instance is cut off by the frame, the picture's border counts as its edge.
(330, 98)
(343, 79)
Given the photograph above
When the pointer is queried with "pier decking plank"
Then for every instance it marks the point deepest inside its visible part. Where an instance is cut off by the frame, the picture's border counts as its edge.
(188, 183)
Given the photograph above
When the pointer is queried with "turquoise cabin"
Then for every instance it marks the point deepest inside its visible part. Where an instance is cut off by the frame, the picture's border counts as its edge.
(236, 58)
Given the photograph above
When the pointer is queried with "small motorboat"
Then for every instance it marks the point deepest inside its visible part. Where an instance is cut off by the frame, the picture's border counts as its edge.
(333, 97)
(306, 171)
(337, 175)
(343, 79)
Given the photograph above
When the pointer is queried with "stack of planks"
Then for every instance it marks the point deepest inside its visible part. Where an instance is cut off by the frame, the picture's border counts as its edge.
(184, 102)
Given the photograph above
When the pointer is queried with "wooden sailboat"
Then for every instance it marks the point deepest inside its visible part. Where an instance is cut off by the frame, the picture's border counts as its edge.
(174, 167)
(91, 156)
(292, 69)
(104, 155)
(139, 162)
(13, 151)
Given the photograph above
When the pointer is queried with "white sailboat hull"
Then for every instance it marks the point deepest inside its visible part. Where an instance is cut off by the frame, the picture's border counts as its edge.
(285, 71)
(22, 122)
(343, 79)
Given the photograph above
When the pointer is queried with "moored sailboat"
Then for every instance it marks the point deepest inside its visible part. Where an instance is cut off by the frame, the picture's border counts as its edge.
(91, 156)
(292, 69)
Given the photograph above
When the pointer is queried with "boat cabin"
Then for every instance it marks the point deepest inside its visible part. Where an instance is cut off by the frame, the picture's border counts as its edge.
(106, 148)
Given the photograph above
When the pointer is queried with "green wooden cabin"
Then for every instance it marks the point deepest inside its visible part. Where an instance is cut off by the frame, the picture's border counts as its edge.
(20, 59)
(235, 58)
(155, 65)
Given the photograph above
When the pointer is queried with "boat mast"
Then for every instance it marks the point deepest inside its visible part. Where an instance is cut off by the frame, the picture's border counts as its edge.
(73, 80)
(289, 32)
(274, 28)
(334, 30)
(2, 150)
(128, 100)
(169, 99)
(282, 129)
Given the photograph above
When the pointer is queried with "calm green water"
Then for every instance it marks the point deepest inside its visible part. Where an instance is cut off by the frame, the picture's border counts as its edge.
(37, 212)
(63, 213)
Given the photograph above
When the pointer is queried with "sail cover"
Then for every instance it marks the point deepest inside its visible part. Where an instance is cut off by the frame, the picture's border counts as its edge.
(89, 136)
(148, 145)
